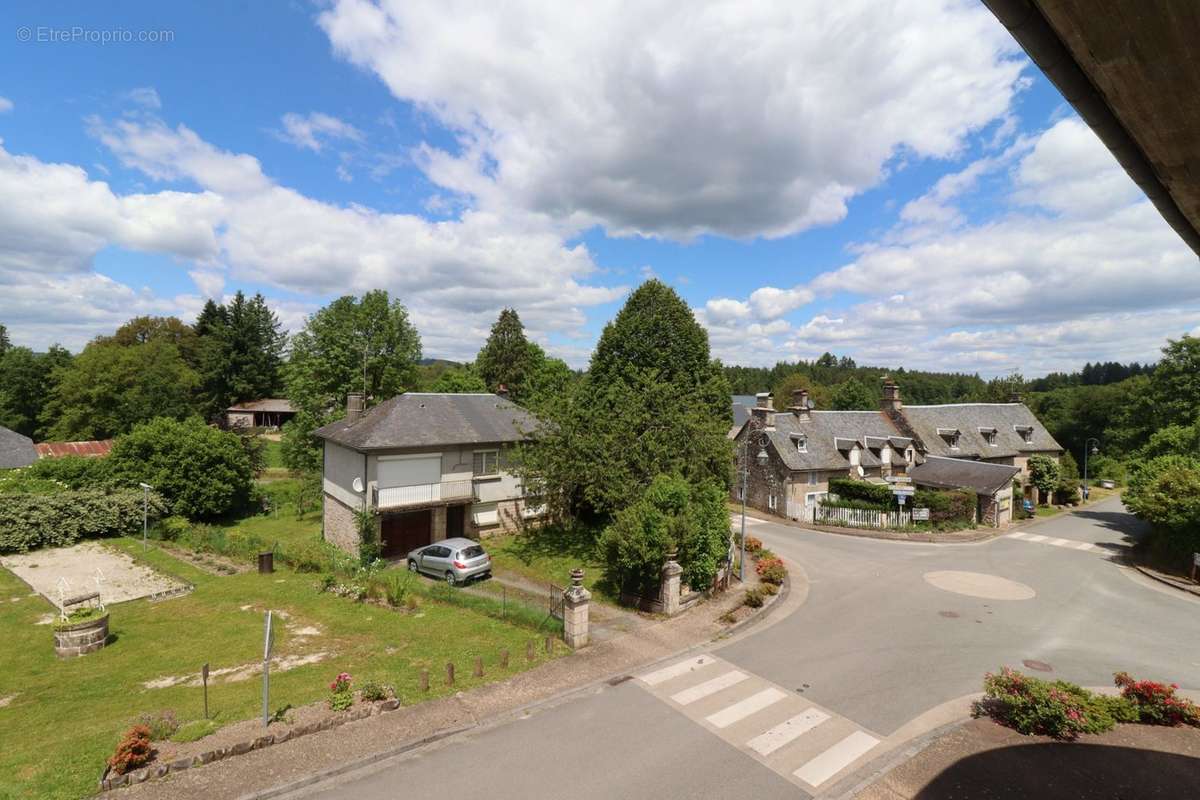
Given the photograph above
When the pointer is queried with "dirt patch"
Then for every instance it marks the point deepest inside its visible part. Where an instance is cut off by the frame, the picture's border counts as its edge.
(242, 672)
(122, 578)
(206, 562)
(8, 699)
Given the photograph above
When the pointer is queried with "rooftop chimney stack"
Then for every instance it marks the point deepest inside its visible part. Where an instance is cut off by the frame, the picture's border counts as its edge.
(502, 391)
(763, 413)
(354, 407)
(1014, 397)
(890, 401)
(801, 405)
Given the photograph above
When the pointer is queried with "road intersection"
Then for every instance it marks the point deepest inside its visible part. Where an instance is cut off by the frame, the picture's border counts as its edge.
(890, 638)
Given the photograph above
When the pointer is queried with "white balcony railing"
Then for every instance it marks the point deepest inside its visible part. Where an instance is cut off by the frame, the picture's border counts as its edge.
(422, 494)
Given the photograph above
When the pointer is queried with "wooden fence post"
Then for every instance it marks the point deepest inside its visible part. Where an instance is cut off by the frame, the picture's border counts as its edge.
(478, 667)
(529, 650)
(504, 658)
(449, 673)
(424, 680)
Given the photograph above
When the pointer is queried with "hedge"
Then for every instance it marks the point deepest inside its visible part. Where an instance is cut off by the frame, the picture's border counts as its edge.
(31, 521)
(877, 494)
(956, 505)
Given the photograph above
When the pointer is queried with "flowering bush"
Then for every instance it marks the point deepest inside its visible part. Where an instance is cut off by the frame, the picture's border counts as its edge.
(771, 570)
(1032, 706)
(753, 544)
(1156, 703)
(133, 751)
(343, 696)
(373, 690)
(754, 598)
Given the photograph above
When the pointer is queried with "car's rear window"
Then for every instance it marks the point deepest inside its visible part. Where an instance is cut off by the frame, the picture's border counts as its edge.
(475, 551)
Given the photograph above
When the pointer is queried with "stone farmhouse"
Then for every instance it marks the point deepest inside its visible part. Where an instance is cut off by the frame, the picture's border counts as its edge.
(977, 446)
(428, 467)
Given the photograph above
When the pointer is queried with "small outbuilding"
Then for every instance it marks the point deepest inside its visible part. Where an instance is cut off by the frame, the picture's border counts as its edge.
(992, 484)
(16, 450)
(270, 412)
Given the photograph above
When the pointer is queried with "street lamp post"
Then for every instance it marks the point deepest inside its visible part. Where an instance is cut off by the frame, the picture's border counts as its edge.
(762, 459)
(1088, 447)
(145, 510)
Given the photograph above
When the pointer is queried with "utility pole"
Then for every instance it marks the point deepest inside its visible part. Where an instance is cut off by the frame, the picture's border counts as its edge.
(145, 511)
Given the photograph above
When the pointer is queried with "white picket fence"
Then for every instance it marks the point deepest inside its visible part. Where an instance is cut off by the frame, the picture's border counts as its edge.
(799, 511)
(861, 517)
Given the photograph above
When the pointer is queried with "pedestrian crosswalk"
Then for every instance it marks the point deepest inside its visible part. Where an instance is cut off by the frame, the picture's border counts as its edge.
(806, 744)
(1055, 541)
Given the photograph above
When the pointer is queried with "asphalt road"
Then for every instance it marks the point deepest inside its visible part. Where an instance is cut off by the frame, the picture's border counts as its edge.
(875, 645)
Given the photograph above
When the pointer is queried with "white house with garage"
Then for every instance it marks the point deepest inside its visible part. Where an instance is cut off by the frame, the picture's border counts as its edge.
(431, 467)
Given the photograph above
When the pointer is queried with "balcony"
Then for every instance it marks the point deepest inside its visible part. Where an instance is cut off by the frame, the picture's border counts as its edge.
(422, 494)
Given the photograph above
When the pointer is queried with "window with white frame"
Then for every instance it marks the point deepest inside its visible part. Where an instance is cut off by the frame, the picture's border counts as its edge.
(772, 502)
(812, 498)
(814, 478)
(487, 463)
(801, 442)
(741, 493)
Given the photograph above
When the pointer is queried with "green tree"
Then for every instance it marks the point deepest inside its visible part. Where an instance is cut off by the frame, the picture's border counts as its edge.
(1045, 474)
(5, 343)
(1165, 491)
(549, 386)
(26, 380)
(672, 515)
(1175, 383)
(651, 403)
(350, 345)
(854, 395)
(202, 472)
(141, 330)
(109, 388)
(507, 358)
(460, 380)
(240, 352)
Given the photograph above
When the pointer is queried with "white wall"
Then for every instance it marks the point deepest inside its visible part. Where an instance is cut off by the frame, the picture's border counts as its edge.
(342, 466)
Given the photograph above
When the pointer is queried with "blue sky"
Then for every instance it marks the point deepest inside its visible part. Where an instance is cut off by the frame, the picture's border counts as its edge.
(914, 193)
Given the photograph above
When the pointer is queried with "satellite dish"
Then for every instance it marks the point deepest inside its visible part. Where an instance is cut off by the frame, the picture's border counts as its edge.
(358, 485)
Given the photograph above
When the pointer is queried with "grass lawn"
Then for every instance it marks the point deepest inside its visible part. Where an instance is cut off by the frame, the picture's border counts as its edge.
(273, 454)
(63, 718)
(547, 555)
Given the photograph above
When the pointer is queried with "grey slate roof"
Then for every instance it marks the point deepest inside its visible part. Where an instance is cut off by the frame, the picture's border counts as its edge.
(968, 418)
(822, 429)
(16, 450)
(434, 420)
(959, 473)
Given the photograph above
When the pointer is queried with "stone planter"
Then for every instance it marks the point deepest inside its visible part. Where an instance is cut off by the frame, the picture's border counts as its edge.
(81, 638)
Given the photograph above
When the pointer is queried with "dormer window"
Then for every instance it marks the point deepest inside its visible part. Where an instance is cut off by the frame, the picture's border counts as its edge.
(989, 436)
(1026, 432)
(949, 436)
(801, 442)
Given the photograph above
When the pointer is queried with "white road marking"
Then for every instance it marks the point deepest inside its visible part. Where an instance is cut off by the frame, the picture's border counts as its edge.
(744, 708)
(1035, 537)
(766, 743)
(703, 690)
(1085, 546)
(675, 670)
(836, 758)
(1018, 535)
(1060, 542)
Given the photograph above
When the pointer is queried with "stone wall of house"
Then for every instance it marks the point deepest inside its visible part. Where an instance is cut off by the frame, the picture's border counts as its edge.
(340, 526)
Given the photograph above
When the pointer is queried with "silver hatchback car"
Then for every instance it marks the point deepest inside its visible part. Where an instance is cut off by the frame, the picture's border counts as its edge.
(454, 560)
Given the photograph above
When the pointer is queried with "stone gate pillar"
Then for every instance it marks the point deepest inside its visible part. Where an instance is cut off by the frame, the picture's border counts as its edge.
(575, 611)
(669, 593)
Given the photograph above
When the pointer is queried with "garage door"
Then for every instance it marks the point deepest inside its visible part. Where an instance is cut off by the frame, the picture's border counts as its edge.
(400, 533)
(409, 471)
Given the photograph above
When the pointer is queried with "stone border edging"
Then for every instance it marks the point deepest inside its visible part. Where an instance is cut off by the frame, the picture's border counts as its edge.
(974, 537)
(161, 769)
(1167, 580)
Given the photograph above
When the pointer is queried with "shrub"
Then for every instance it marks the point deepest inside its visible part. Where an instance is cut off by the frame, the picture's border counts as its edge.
(162, 725)
(201, 471)
(133, 751)
(753, 544)
(1165, 491)
(1044, 473)
(31, 521)
(311, 556)
(194, 730)
(771, 570)
(754, 598)
(769, 588)
(76, 472)
(172, 528)
(396, 588)
(1032, 706)
(1156, 703)
(875, 495)
(372, 691)
(956, 506)
(341, 694)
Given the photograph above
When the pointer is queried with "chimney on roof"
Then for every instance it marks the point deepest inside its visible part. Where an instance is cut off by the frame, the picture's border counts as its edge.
(502, 391)
(890, 400)
(1014, 397)
(801, 405)
(763, 412)
(354, 407)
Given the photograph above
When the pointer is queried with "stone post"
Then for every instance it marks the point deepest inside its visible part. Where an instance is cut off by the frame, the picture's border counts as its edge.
(575, 612)
(669, 591)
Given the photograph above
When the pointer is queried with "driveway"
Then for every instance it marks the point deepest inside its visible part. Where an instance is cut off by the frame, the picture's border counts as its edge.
(801, 706)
